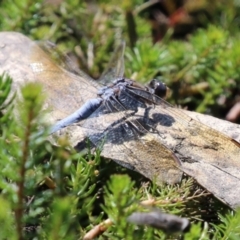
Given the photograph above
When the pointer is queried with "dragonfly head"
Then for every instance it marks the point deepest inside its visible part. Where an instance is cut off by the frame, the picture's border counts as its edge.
(160, 88)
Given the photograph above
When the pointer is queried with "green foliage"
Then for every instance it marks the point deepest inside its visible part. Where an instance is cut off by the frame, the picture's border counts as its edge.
(202, 71)
(7, 220)
(207, 61)
(19, 16)
(50, 192)
(54, 193)
(229, 228)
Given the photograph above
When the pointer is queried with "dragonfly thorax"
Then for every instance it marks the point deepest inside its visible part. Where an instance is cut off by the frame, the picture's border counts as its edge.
(114, 89)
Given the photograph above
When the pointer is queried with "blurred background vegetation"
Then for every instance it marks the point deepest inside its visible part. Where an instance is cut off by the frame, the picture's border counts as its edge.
(193, 46)
(190, 45)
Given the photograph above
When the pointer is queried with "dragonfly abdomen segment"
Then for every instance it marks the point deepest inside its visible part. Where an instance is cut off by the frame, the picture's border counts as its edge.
(82, 113)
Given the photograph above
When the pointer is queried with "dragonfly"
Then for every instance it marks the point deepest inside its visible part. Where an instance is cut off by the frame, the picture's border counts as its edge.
(132, 123)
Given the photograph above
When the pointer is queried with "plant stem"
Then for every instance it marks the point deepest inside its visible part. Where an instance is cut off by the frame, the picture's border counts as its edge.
(20, 193)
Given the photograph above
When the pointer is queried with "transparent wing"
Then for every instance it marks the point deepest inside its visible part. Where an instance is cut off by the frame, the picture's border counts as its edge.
(63, 60)
(26, 61)
(144, 132)
(115, 68)
(118, 131)
(205, 154)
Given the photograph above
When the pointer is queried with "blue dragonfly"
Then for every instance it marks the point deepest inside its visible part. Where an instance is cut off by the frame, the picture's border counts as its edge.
(132, 123)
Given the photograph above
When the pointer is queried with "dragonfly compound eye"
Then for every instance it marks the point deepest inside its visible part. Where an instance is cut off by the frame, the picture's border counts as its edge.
(160, 88)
